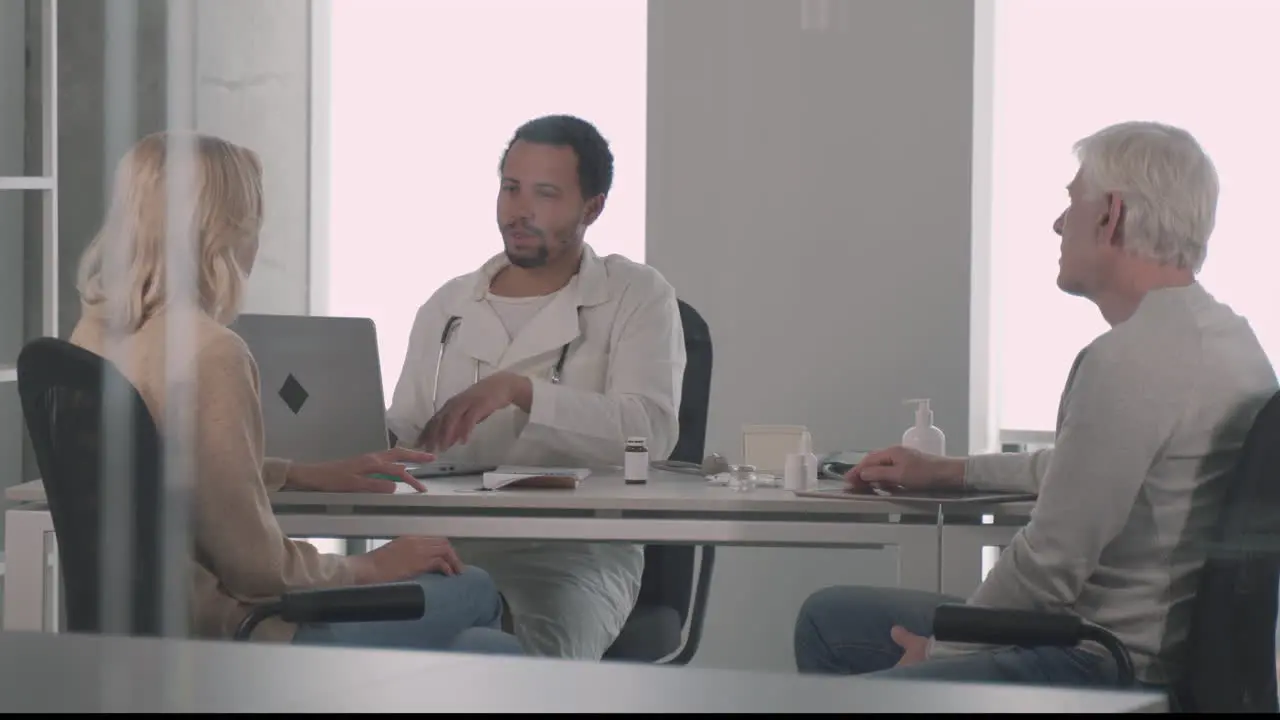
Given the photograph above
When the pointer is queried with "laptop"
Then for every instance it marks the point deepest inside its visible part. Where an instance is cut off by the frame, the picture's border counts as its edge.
(321, 385)
(937, 495)
(322, 390)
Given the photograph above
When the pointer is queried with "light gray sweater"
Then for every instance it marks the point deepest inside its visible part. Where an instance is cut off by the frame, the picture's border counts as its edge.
(1153, 417)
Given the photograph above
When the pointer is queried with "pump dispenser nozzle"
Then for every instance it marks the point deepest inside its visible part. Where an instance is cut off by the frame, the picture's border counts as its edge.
(924, 415)
(923, 436)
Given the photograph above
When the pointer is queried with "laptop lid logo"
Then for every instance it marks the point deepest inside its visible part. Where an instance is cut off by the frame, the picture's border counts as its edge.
(293, 394)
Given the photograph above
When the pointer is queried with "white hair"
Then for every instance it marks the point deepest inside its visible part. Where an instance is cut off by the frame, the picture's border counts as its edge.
(1167, 184)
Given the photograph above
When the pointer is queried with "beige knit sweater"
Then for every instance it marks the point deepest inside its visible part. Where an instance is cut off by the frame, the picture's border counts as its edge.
(241, 557)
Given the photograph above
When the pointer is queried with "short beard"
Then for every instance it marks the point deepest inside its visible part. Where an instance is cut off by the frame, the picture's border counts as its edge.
(526, 262)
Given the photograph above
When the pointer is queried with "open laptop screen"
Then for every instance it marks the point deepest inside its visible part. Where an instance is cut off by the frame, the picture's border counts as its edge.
(321, 385)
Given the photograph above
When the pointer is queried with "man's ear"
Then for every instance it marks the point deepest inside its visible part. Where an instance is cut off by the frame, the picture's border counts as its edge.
(1111, 225)
(591, 212)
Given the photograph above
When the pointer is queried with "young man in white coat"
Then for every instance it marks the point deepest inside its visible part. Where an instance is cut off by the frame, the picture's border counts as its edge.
(551, 356)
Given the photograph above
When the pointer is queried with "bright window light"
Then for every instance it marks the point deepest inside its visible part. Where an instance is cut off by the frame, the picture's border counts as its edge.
(425, 95)
(1065, 69)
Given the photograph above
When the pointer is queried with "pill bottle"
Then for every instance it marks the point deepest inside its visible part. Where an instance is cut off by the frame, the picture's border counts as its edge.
(635, 466)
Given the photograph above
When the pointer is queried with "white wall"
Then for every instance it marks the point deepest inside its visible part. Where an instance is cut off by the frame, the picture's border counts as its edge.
(809, 193)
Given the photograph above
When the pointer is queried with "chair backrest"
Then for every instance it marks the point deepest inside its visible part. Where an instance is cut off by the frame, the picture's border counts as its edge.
(63, 389)
(1231, 650)
(668, 572)
(695, 396)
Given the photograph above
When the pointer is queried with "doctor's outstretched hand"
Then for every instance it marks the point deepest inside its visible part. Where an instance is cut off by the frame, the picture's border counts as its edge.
(453, 423)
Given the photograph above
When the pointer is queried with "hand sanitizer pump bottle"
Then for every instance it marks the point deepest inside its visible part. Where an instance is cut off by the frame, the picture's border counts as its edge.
(924, 436)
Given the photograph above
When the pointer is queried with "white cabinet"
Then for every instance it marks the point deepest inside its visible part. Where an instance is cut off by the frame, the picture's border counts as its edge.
(20, 177)
(28, 204)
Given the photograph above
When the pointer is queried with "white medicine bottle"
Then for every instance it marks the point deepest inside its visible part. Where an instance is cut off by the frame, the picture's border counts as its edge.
(924, 436)
(635, 469)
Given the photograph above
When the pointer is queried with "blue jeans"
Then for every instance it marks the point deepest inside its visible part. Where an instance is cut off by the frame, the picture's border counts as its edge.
(463, 614)
(845, 631)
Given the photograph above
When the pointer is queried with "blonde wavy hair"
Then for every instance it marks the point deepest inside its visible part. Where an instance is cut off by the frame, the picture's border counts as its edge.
(124, 273)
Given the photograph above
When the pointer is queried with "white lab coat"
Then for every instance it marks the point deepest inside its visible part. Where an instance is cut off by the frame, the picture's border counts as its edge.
(622, 377)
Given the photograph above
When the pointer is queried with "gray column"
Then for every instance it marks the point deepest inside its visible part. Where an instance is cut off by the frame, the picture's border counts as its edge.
(252, 74)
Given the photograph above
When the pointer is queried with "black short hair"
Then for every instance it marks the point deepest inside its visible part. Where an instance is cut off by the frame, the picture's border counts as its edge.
(595, 160)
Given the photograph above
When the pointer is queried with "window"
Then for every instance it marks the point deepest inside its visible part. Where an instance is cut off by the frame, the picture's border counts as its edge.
(1066, 68)
(423, 97)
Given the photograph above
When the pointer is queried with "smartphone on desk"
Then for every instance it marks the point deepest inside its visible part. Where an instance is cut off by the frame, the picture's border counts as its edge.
(836, 470)
(838, 464)
(443, 469)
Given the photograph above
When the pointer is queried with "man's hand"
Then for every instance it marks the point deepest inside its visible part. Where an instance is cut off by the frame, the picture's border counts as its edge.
(453, 423)
(908, 469)
(405, 558)
(913, 646)
(353, 474)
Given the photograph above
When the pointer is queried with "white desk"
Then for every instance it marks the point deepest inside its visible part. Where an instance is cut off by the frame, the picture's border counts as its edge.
(81, 674)
(672, 508)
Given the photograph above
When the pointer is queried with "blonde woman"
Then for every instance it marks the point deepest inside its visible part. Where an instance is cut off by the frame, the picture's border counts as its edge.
(134, 306)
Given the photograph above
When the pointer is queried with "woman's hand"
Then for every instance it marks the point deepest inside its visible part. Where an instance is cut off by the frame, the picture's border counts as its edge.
(405, 558)
(353, 475)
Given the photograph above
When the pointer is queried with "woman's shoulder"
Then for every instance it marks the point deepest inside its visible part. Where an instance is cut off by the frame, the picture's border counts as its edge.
(218, 351)
(208, 340)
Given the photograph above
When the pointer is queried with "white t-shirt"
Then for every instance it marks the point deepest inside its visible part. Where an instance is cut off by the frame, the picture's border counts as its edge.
(516, 312)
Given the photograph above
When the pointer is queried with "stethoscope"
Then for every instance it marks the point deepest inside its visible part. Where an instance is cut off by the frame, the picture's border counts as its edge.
(557, 370)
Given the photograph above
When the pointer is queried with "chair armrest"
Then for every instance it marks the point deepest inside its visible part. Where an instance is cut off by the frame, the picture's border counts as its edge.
(1024, 628)
(360, 603)
(961, 623)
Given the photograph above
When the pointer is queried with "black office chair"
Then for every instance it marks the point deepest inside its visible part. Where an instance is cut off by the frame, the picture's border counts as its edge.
(1231, 650)
(64, 391)
(671, 593)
